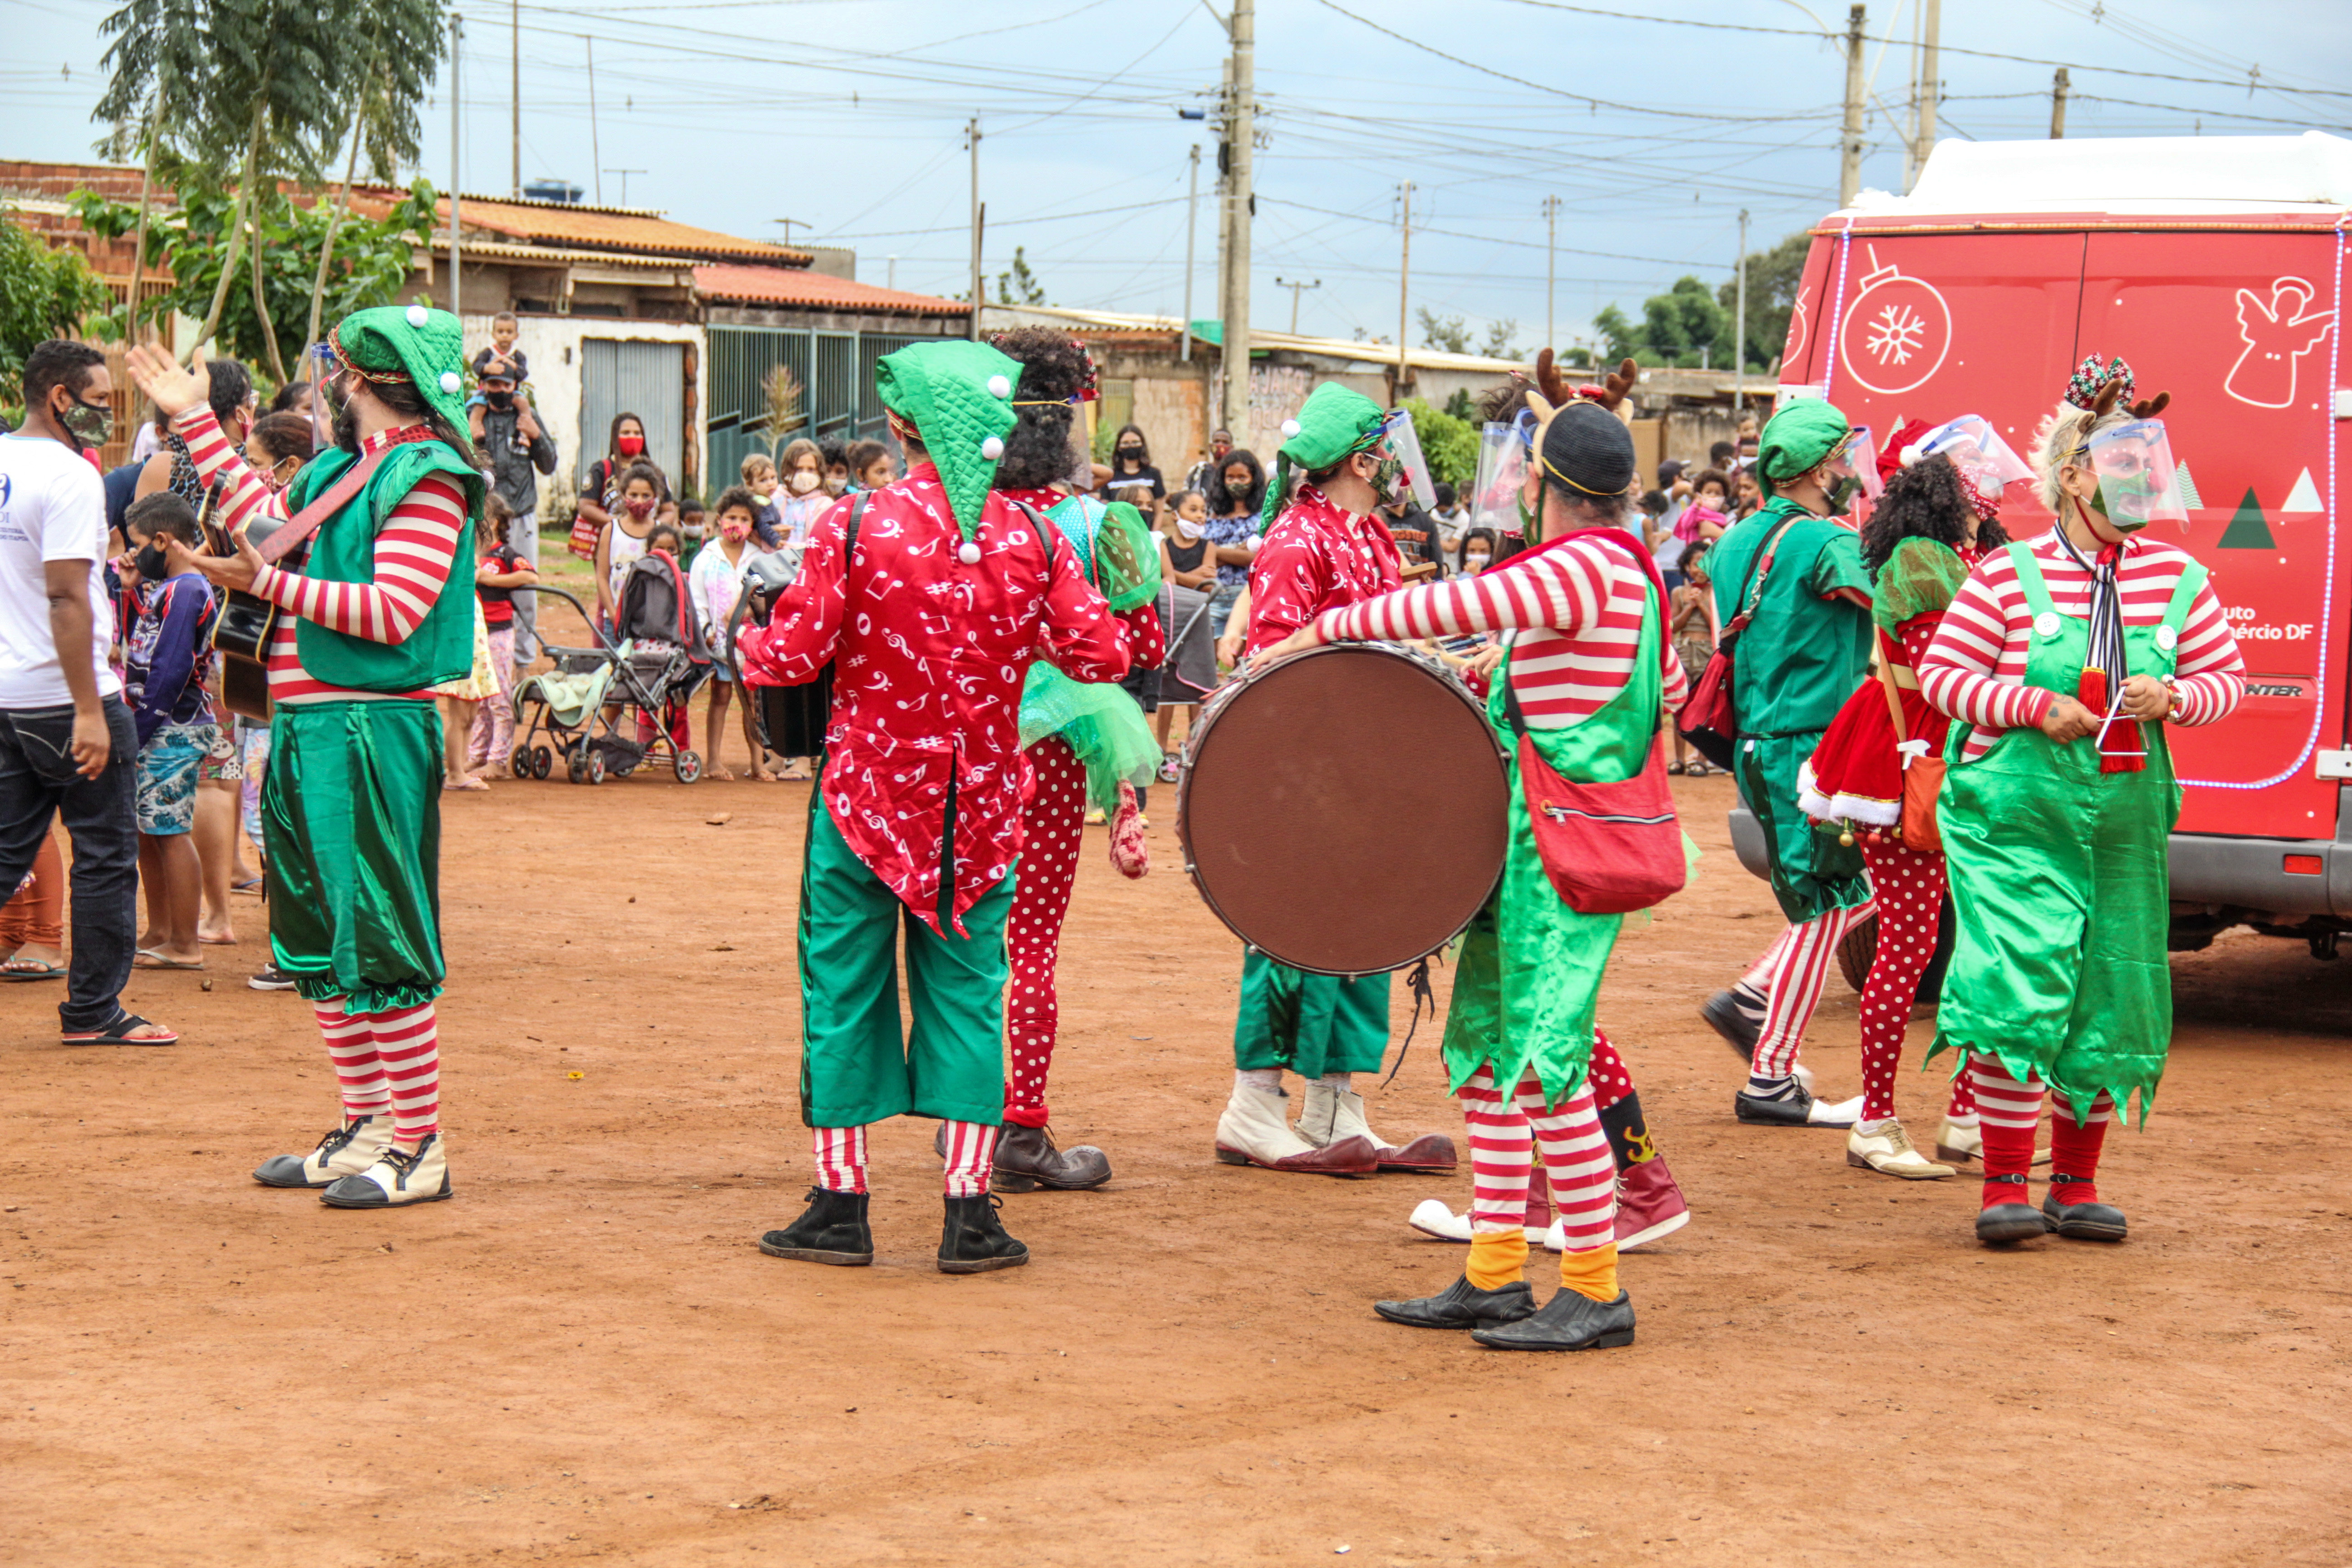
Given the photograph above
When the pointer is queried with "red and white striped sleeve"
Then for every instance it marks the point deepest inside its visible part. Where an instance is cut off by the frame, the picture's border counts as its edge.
(413, 555)
(2207, 670)
(1963, 674)
(244, 497)
(1564, 589)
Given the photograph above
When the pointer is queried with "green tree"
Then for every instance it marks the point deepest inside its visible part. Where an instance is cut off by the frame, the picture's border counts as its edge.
(1773, 279)
(1017, 285)
(1618, 337)
(1499, 336)
(1450, 444)
(1451, 334)
(44, 294)
(1677, 324)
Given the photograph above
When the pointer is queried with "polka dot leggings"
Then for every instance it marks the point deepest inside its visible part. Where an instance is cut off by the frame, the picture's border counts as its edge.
(1052, 826)
(1909, 887)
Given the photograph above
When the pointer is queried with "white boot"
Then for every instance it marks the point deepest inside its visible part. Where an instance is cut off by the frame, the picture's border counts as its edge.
(1844, 1113)
(1956, 1140)
(346, 1152)
(396, 1179)
(1335, 1115)
(1254, 1131)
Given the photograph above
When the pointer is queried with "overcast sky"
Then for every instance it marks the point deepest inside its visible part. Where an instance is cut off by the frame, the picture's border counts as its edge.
(848, 116)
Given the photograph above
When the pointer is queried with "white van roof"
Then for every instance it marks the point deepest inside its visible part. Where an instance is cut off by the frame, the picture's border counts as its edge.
(2136, 176)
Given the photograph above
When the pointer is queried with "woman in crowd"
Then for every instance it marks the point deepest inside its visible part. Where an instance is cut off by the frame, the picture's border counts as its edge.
(234, 403)
(625, 448)
(717, 584)
(1476, 553)
(1695, 633)
(1236, 495)
(1747, 494)
(1133, 479)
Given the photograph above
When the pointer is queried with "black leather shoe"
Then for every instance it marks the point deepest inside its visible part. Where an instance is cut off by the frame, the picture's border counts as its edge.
(1794, 1108)
(973, 1240)
(832, 1230)
(1027, 1160)
(1570, 1321)
(1725, 1016)
(2005, 1223)
(2083, 1222)
(1463, 1305)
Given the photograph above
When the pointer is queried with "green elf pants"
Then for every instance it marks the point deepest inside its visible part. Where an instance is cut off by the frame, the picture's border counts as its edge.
(1311, 1023)
(2060, 878)
(350, 817)
(858, 1064)
(1527, 981)
(1811, 872)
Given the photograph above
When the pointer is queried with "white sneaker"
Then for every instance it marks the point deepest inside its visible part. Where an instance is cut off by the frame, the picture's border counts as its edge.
(1844, 1113)
(396, 1179)
(346, 1151)
(1254, 1131)
(1434, 1220)
(1888, 1152)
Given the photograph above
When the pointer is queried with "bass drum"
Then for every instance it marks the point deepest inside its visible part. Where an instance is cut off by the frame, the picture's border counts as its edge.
(1344, 810)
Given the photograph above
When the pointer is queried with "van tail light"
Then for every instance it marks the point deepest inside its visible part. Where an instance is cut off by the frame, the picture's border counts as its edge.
(2305, 866)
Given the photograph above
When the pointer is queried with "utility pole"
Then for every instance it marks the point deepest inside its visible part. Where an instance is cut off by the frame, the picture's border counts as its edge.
(971, 139)
(1240, 113)
(790, 224)
(595, 148)
(514, 90)
(894, 273)
(456, 36)
(625, 174)
(1928, 87)
(1404, 288)
(1739, 329)
(1295, 290)
(1850, 136)
(1551, 255)
(1192, 223)
(2058, 87)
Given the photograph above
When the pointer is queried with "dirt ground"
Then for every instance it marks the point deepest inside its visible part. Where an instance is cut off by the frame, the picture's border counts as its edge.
(585, 1356)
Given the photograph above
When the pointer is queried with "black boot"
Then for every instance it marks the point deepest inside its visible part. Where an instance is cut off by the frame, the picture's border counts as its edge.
(2001, 1224)
(1570, 1321)
(973, 1240)
(1027, 1160)
(1741, 1028)
(832, 1230)
(1463, 1305)
(2083, 1222)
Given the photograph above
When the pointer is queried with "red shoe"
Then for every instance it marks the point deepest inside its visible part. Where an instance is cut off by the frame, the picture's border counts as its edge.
(1649, 1204)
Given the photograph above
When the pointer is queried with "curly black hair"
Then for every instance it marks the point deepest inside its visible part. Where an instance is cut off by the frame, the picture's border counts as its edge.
(1924, 500)
(1053, 369)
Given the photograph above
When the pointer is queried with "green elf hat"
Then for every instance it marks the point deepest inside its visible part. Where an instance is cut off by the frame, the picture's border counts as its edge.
(955, 397)
(1801, 436)
(1333, 422)
(413, 343)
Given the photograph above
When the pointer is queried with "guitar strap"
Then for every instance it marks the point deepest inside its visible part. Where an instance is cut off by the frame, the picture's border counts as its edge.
(297, 533)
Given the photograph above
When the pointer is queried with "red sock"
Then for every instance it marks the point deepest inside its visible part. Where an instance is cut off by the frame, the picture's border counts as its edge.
(2008, 1113)
(2074, 1152)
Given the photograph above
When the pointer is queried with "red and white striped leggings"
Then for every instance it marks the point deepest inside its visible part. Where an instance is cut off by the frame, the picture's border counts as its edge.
(386, 1063)
(1581, 1171)
(841, 1158)
(1909, 888)
(1053, 827)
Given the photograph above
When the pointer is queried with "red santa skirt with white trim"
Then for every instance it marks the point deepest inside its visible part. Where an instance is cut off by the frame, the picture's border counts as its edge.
(1855, 775)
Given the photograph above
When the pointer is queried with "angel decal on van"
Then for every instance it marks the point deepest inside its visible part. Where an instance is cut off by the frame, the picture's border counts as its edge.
(2277, 335)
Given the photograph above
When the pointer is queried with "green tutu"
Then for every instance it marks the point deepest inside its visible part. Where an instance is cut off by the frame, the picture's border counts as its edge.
(1098, 720)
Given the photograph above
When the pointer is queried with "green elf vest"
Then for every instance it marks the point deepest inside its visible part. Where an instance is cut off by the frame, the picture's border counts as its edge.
(2060, 879)
(343, 551)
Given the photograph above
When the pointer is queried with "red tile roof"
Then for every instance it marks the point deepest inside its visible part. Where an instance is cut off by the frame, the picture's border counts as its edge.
(613, 228)
(782, 286)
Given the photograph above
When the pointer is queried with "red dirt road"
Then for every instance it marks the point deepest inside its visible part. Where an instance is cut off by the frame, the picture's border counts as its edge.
(584, 1355)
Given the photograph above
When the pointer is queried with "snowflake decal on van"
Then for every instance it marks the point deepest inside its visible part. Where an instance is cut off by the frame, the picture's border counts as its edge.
(1895, 333)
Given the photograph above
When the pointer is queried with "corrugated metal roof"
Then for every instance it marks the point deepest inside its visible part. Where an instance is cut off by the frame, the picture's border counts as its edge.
(613, 228)
(783, 285)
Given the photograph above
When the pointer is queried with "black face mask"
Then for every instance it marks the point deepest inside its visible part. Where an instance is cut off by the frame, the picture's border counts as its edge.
(152, 563)
(1135, 452)
(501, 400)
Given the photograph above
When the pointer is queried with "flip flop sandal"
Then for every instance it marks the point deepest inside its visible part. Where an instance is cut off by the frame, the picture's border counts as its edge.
(155, 960)
(117, 1033)
(39, 971)
(1676, 768)
(251, 886)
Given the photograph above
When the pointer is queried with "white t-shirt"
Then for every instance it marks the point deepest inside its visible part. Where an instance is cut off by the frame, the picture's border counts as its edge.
(52, 508)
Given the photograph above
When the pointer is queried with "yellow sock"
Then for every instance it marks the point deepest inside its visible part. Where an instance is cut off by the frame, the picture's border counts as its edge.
(1593, 1273)
(1499, 1256)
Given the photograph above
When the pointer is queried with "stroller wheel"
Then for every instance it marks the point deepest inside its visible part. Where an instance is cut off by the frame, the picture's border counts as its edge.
(687, 766)
(575, 762)
(542, 762)
(596, 767)
(521, 762)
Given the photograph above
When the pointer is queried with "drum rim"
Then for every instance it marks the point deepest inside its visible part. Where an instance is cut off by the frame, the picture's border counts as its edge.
(1449, 682)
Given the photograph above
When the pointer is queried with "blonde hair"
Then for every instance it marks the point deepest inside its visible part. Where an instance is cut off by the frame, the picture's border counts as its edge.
(2057, 441)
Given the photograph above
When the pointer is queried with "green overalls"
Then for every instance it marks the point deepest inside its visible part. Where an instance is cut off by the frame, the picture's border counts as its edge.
(1528, 980)
(2058, 877)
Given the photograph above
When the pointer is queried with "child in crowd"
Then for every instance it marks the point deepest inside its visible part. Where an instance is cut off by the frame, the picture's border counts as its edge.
(801, 495)
(461, 705)
(1709, 512)
(167, 659)
(870, 468)
(498, 571)
(717, 584)
(1188, 564)
(1692, 626)
(1746, 495)
(836, 467)
(623, 539)
(1477, 552)
(504, 329)
(692, 519)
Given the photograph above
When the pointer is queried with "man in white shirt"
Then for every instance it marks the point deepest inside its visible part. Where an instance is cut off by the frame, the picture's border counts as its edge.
(66, 741)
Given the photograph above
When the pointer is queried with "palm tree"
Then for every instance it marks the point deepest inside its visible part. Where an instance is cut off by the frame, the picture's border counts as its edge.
(395, 56)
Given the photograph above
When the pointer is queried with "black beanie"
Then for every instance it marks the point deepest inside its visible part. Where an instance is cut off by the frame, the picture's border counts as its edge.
(1590, 449)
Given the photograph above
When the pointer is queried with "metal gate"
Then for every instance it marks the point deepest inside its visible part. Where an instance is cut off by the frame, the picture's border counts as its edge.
(647, 379)
(743, 359)
(871, 347)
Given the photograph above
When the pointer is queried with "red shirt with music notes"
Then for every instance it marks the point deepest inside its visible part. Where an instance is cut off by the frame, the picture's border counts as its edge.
(1317, 556)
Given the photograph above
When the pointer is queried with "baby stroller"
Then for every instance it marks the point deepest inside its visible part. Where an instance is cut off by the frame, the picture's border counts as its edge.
(609, 709)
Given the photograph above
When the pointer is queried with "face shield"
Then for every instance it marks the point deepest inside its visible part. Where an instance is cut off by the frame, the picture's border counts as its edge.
(1502, 473)
(1975, 449)
(2138, 483)
(1401, 443)
(1857, 458)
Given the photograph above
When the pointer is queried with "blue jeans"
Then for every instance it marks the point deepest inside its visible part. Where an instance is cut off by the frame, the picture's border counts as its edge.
(38, 782)
(1221, 606)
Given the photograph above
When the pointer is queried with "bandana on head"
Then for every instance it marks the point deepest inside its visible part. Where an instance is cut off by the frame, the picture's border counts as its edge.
(408, 343)
(1334, 422)
(1797, 439)
(2091, 378)
(954, 397)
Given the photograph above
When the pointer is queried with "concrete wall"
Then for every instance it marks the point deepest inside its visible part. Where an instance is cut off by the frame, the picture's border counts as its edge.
(552, 344)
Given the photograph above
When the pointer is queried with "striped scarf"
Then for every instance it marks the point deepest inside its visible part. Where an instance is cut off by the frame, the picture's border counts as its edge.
(2107, 642)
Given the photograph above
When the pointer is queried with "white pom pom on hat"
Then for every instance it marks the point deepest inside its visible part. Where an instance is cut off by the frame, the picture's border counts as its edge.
(418, 316)
(992, 449)
(968, 552)
(1290, 427)
(998, 386)
(451, 381)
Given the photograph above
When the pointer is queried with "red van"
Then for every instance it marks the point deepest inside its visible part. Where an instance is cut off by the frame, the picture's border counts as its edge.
(2216, 267)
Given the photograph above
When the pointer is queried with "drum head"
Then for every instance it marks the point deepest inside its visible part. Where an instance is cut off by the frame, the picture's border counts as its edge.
(1344, 811)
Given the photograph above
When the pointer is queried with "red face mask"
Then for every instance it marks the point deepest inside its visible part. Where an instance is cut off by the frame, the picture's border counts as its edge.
(630, 445)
